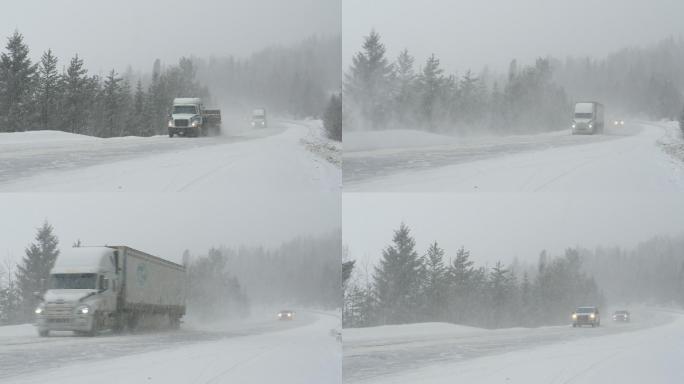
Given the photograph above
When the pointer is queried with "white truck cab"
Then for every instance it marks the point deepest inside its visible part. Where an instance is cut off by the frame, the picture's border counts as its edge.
(82, 283)
(189, 118)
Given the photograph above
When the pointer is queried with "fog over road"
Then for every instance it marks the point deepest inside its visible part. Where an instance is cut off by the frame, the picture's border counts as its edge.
(626, 159)
(434, 353)
(290, 156)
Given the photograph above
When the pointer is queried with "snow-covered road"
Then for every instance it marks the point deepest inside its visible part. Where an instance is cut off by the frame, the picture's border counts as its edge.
(646, 350)
(630, 159)
(301, 351)
(279, 158)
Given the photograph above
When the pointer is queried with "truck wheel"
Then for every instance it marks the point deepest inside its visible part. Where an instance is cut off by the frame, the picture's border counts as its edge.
(170, 133)
(43, 332)
(175, 322)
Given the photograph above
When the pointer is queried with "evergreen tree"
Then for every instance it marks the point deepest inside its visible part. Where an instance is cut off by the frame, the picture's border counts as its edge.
(16, 84)
(48, 92)
(436, 283)
(347, 268)
(75, 100)
(405, 103)
(332, 118)
(112, 99)
(10, 296)
(433, 97)
(35, 267)
(397, 279)
(368, 83)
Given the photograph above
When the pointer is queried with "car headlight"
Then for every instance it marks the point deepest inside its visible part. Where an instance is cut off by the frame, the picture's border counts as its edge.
(289, 315)
(83, 310)
(591, 125)
(280, 315)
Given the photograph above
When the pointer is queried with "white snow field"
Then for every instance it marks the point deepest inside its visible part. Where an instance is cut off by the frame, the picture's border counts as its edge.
(648, 350)
(291, 156)
(640, 158)
(304, 350)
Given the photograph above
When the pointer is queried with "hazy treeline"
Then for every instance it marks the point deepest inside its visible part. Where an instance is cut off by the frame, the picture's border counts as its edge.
(51, 95)
(407, 287)
(384, 93)
(652, 272)
(295, 80)
(298, 81)
(643, 81)
(304, 271)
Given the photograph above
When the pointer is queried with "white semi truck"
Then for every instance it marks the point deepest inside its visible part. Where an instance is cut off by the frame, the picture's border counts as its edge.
(189, 118)
(110, 287)
(588, 118)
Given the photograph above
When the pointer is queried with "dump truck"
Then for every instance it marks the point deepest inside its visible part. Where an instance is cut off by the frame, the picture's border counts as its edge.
(189, 118)
(588, 118)
(110, 287)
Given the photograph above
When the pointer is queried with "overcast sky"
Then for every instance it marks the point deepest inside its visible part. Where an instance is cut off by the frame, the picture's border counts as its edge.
(471, 34)
(114, 34)
(503, 226)
(167, 224)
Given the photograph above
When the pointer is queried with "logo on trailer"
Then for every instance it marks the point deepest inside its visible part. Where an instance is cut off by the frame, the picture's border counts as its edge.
(141, 274)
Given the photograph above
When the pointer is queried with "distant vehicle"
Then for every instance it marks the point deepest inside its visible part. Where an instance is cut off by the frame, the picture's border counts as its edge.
(189, 118)
(286, 314)
(618, 123)
(110, 287)
(588, 118)
(259, 118)
(586, 316)
(622, 316)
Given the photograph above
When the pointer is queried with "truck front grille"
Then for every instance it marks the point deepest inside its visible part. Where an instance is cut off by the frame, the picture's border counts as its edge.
(181, 123)
(56, 310)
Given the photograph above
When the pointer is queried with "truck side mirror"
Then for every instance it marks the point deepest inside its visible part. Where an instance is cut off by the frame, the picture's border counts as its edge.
(38, 296)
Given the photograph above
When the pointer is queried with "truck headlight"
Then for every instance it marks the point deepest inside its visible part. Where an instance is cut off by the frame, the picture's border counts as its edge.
(83, 310)
(170, 123)
(574, 316)
(574, 125)
(39, 310)
(195, 123)
(592, 316)
(591, 125)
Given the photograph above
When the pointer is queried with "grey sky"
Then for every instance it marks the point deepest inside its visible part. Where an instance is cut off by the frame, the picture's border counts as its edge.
(472, 34)
(503, 226)
(115, 34)
(167, 224)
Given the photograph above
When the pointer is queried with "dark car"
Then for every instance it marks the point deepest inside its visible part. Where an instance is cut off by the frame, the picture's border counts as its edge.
(622, 316)
(286, 314)
(586, 316)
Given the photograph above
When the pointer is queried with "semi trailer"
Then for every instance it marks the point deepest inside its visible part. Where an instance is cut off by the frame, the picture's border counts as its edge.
(110, 287)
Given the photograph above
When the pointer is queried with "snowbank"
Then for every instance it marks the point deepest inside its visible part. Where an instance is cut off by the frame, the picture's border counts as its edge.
(45, 136)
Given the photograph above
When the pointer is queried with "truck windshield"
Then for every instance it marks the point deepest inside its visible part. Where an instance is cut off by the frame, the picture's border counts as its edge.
(73, 281)
(584, 115)
(585, 310)
(184, 109)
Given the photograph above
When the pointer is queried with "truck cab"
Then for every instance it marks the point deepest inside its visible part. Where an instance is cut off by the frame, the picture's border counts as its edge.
(588, 315)
(186, 117)
(587, 118)
(259, 118)
(81, 292)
